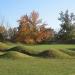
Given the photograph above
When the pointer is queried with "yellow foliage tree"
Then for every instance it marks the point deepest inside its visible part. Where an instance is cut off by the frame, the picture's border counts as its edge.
(32, 30)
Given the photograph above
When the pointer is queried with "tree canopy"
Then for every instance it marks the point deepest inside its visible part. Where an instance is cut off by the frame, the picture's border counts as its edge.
(67, 30)
(32, 30)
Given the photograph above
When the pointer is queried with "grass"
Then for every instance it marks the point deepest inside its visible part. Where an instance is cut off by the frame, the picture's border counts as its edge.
(45, 47)
(69, 52)
(14, 55)
(37, 67)
(53, 53)
(15, 62)
(6, 45)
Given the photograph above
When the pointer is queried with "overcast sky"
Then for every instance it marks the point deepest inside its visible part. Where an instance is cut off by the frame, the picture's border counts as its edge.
(49, 10)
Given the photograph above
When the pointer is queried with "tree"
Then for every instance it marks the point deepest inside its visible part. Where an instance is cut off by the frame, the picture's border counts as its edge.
(6, 33)
(32, 30)
(67, 30)
(11, 33)
(2, 30)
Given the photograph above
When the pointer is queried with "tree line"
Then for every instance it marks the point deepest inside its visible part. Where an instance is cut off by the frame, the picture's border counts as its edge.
(32, 30)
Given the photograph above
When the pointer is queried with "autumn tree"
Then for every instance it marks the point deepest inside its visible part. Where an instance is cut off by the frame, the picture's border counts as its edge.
(32, 30)
(45, 34)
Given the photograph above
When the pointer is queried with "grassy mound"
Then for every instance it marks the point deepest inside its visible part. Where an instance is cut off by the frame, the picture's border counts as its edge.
(16, 48)
(3, 46)
(23, 50)
(69, 52)
(52, 53)
(1, 53)
(14, 55)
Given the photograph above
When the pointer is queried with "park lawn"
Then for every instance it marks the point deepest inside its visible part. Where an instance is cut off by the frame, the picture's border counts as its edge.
(37, 66)
(48, 46)
(38, 47)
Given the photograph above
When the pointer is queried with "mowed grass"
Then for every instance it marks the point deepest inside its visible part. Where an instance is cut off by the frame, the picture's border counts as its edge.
(35, 66)
(38, 47)
(16, 63)
(45, 47)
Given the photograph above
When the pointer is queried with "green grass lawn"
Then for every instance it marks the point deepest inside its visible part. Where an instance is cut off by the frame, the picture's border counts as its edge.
(35, 66)
(17, 63)
(45, 47)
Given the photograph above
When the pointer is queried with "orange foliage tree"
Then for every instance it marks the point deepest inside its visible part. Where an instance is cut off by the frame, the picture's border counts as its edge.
(32, 30)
